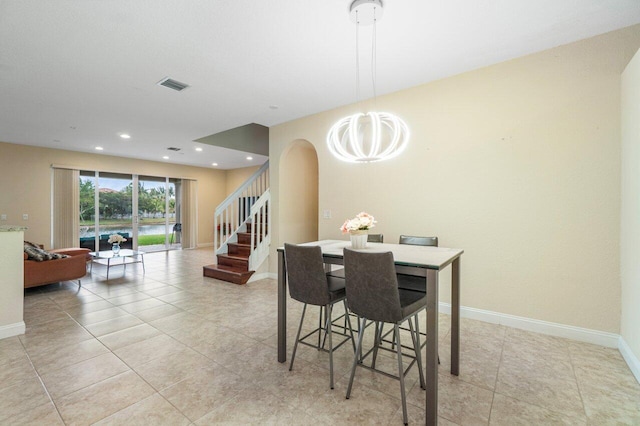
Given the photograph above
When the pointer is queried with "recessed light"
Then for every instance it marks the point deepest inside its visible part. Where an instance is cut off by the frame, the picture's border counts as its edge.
(273, 106)
(214, 164)
(125, 136)
(199, 149)
(166, 157)
(249, 158)
(99, 148)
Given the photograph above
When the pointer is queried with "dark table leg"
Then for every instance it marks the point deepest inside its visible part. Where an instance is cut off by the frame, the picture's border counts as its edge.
(432, 348)
(455, 317)
(282, 308)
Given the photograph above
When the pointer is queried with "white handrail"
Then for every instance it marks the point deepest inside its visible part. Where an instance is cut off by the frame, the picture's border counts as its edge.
(260, 227)
(234, 212)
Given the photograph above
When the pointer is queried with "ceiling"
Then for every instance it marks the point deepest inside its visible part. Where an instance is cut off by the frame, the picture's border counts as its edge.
(75, 74)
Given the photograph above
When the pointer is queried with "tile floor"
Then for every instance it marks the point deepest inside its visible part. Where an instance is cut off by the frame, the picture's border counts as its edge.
(171, 347)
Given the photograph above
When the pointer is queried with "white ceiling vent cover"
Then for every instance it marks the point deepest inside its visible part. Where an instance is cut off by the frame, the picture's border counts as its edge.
(173, 148)
(172, 84)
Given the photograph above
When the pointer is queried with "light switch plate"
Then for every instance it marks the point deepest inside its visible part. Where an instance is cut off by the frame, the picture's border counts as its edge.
(25, 216)
(3, 217)
(326, 214)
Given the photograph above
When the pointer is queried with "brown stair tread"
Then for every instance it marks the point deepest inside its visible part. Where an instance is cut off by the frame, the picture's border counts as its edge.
(233, 256)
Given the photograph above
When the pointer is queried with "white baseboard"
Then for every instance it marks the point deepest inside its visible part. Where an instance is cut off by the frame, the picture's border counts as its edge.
(632, 360)
(11, 330)
(262, 276)
(595, 337)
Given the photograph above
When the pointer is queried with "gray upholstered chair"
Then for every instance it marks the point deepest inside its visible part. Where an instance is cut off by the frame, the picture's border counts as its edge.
(371, 238)
(418, 241)
(309, 284)
(373, 295)
(375, 238)
(409, 282)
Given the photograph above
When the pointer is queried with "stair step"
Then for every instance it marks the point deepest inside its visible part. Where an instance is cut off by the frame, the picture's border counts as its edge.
(227, 273)
(236, 249)
(241, 262)
(245, 238)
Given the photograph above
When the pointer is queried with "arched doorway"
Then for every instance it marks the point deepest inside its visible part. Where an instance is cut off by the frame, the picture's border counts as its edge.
(299, 193)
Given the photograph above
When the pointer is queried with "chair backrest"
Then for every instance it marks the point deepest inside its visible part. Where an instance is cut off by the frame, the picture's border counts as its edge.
(419, 241)
(307, 278)
(177, 227)
(375, 238)
(372, 286)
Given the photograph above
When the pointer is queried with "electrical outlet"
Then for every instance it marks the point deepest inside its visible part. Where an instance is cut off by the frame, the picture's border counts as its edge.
(326, 214)
(3, 217)
(25, 216)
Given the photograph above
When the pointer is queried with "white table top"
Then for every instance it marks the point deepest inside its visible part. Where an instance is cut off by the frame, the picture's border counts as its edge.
(109, 254)
(403, 254)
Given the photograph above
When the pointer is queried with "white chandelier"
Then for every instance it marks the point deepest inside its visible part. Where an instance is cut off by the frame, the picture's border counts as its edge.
(374, 136)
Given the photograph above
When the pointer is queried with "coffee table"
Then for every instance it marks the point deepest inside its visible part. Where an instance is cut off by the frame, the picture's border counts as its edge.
(126, 256)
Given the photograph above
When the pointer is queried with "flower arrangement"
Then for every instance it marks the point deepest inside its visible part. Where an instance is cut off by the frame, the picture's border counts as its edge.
(116, 239)
(362, 222)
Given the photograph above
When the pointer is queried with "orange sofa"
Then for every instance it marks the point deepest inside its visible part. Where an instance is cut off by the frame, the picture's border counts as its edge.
(69, 268)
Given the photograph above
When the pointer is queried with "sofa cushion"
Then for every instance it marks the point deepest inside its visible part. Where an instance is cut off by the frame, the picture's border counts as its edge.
(39, 255)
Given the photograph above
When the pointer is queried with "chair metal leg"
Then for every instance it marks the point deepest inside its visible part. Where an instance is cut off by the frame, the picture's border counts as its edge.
(348, 323)
(320, 327)
(357, 355)
(401, 374)
(377, 340)
(415, 334)
(329, 327)
(295, 345)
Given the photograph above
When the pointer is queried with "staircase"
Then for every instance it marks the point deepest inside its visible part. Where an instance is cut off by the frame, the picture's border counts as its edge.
(241, 230)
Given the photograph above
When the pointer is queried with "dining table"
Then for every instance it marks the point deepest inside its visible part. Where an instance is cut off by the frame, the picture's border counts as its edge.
(420, 261)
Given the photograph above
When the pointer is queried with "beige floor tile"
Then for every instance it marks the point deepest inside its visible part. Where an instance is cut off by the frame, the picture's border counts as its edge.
(128, 336)
(98, 316)
(11, 350)
(167, 370)
(152, 411)
(205, 390)
(102, 399)
(162, 291)
(110, 326)
(21, 397)
(507, 411)
(152, 314)
(15, 372)
(45, 414)
(36, 315)
(147, 350)
(54, 333)
(79, 375)
(538, 386)
(63, 356)
(141, 305)
(86, 308)
(128, 298)
(331, 406)
(76, 299)
(255, 407)
(458, 401)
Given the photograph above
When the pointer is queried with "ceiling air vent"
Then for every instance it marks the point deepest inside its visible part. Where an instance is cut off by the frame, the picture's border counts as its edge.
(172, 84)
(173, 148)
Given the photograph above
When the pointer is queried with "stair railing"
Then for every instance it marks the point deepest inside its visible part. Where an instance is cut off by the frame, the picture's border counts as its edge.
(234, 212)
(260, 230)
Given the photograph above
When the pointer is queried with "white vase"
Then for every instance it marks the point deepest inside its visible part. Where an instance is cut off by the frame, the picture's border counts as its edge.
(358, 239)
(115, 248)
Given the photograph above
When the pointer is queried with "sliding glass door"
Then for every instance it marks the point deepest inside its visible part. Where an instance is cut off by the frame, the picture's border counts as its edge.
(107, 203)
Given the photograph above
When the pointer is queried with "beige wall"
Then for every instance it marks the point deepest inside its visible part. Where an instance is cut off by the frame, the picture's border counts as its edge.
(11, 283)
(517, 163)
(299, 193)
(237, 177)
(25, 185)
(630, 207)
